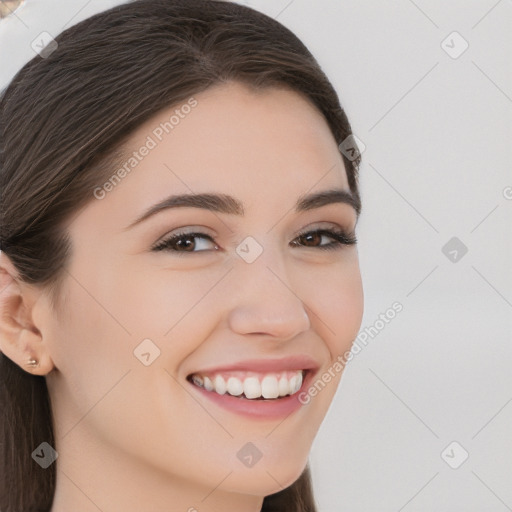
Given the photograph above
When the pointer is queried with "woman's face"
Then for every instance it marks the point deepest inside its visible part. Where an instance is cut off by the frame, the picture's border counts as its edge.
(136, 322)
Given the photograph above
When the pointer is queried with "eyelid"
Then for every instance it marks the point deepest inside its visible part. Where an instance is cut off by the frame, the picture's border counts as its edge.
(185, 230)
(346, 226)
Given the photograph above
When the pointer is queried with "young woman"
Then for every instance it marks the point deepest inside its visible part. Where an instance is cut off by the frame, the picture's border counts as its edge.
(179, 269)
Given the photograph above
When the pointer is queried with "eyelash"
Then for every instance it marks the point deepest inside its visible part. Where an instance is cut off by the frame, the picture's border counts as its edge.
(341, 238)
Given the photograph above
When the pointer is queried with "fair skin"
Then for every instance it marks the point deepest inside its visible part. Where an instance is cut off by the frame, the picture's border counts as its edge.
(133, 437)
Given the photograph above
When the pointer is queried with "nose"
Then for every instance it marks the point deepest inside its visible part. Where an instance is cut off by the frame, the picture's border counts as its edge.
(264, 300)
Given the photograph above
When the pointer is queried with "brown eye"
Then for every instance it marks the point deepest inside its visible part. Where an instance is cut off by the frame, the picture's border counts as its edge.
(184, 243)
(310, 239)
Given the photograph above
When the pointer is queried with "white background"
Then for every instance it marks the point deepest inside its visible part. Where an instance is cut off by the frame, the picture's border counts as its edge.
(437, 132)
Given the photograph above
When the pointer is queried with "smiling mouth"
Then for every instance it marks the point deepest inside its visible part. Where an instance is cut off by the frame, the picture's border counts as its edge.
(246, 385)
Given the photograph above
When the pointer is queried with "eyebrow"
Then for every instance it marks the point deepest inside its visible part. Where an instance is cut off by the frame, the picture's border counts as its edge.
(222, 203)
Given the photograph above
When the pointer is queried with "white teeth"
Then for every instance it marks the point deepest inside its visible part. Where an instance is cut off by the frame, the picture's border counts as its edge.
(252, 387)
(197, 380)
(284, 386)
(293, 383)
(220, 384)
(298, 383)
(235, 387)
(208, 384)
(271, 386)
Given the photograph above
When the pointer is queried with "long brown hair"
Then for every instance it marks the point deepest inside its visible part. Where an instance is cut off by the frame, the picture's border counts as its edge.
(63, 119)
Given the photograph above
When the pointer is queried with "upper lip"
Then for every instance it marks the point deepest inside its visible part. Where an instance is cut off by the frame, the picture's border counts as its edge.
(295, 362)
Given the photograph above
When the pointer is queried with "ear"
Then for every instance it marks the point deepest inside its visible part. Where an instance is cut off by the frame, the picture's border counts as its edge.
(20, 339)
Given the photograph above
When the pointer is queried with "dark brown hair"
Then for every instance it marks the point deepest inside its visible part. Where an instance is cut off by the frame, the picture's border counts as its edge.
(63, 120)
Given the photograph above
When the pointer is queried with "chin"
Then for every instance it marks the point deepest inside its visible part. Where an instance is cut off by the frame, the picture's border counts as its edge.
(265, 479)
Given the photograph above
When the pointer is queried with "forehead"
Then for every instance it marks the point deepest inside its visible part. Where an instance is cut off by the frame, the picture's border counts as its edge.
(262, 147)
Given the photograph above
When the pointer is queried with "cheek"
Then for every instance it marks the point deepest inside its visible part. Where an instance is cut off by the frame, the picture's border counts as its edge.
(92, 354)
(148, 300)
(335, 294)
(171, 307)
(159, 299)
(91, 340)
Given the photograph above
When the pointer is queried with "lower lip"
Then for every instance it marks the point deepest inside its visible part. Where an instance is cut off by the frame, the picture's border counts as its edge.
(266, 409)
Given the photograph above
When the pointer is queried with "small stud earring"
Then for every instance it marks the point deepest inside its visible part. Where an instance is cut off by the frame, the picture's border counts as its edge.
(33, 363)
